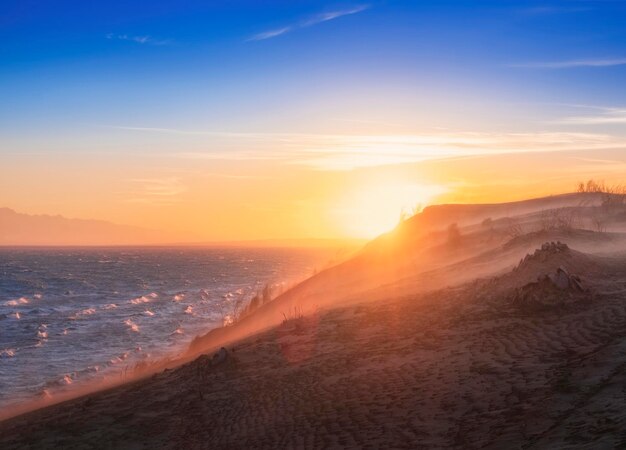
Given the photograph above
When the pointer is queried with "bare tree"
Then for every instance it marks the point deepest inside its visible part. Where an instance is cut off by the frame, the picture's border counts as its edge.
(598, 224)
(561, 219)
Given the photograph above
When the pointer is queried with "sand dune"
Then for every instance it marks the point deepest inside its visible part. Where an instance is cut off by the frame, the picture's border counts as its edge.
(403, 346)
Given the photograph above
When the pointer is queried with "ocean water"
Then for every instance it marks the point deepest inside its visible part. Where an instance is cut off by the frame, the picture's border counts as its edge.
(69, 315)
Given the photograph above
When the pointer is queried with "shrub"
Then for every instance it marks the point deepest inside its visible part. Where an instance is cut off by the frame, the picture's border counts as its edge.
(454, 235)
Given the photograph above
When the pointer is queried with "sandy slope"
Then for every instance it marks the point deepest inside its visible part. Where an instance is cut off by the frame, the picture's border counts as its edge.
(411, 346)
(446, 369)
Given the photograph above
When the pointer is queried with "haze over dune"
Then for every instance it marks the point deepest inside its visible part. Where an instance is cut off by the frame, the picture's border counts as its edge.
(467, 326)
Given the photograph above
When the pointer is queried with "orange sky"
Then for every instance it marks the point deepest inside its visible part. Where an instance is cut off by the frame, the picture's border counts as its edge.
(297, 185)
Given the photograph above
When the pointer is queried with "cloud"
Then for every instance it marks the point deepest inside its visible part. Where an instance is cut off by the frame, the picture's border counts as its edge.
(325, 17)
(368, 151)
(350, 151)
(542, 10)
(607, 116)
(149, 40)
(347, 152)
(270, 34)
(572, 63)
(155, 190)
(319, 18)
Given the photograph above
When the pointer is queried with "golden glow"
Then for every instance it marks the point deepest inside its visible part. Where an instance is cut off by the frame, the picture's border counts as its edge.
(369, 211)
(203, 187)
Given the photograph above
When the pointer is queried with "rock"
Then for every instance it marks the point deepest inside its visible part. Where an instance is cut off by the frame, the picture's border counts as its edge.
(543, 253)
(560, 279)
(220, 356)
(576, 283)
(550, 290)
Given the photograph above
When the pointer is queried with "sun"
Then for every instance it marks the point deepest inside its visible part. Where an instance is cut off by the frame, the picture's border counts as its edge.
(374, 209)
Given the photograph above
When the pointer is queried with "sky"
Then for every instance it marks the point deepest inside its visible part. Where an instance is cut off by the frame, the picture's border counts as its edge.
(232, 120)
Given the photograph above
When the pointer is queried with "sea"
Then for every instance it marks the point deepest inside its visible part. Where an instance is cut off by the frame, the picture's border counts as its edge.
(70, 315)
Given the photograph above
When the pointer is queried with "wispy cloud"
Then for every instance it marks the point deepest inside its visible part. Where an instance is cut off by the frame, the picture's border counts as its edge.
(156, 190)
(146, 39)
(543, 10)
(350, 151)
(367, 151)
(606, 116)
(270, 34)
(318, 18)
(325, 17)
(608, 62)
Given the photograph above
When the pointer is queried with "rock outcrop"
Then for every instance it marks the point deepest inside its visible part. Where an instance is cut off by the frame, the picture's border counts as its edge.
(551, 289)
(542, 254)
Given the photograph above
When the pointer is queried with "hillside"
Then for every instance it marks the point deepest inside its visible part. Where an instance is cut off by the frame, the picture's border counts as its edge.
(25, 229)
(418, 256)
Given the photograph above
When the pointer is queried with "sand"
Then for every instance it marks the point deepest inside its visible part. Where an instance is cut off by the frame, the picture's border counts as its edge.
(463, 366)
(440, 370)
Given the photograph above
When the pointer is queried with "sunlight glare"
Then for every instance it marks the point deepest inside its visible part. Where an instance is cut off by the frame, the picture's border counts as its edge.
(372, 210)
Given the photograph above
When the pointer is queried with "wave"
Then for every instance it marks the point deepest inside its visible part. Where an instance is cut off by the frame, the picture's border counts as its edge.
(45, 393)
(119, 358)
(144, 298)
(42, 335)
(84, 312)
(17, 302)
(132, 325)
(7, 353)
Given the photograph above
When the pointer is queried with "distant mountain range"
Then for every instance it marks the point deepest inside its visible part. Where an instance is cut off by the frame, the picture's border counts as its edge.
(25, 229)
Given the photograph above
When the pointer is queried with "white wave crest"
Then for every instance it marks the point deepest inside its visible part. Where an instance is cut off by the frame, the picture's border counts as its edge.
(7, 353)
(84, 312)
(132, 325)
(144, 299)
(19, 301)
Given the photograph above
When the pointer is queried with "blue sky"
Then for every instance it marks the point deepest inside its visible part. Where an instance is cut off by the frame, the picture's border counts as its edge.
(116, 62)
(156, 91)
